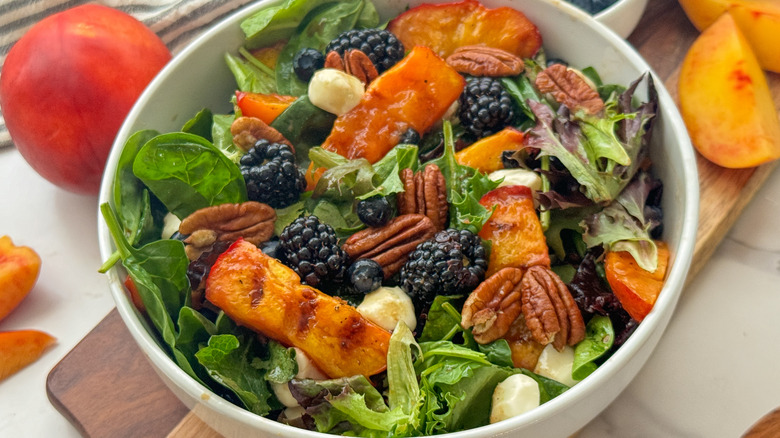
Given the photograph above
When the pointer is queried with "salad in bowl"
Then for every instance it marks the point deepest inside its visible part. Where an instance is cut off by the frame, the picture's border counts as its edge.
(396, 222)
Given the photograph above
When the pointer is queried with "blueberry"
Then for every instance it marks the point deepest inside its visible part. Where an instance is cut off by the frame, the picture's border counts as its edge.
(375, 211)
(306, 61)
(410, 136)
(271, 248)
(366, 275)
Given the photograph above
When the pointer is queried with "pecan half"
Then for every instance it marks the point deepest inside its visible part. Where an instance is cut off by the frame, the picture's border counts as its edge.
(425, 192)
(250, 220)
(569, 88)
(248, 130)
(485, 61)
(549, 309)
(390, 245)
(492, 307)
(354, 62)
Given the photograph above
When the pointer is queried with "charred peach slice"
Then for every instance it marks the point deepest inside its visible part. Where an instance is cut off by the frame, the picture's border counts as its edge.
(259, 292)
(516, 235)
(447, 26)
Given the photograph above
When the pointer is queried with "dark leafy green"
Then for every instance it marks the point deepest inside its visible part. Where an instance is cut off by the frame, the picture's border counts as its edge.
(305, 126)
(159, 273)
(131, 199)
(228, 360)
(276, 22)
(186, 172)
(599, 337)
(465, 187)
(321, 25)
(200, 124)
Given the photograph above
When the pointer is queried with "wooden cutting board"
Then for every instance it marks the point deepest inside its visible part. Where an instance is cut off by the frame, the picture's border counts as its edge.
(106, 387)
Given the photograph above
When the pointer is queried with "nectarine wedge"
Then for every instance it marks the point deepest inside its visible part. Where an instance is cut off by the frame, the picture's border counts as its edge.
(725, 100)
(759, 20)
(19, 269)
(21, 348)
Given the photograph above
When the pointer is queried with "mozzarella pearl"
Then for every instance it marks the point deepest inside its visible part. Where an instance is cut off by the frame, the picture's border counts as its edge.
(388, 305)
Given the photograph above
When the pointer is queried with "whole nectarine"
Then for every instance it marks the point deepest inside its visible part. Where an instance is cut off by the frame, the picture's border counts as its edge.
(67, 85)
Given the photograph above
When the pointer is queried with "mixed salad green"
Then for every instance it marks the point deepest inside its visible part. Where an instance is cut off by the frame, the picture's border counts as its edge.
(597, 194)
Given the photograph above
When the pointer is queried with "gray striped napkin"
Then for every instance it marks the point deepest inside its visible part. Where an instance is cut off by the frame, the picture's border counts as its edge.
(175, 21)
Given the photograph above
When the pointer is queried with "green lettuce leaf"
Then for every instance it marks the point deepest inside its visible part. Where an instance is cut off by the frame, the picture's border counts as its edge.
(465, 187)
(229, 361)
(602, 152)
(623, 226)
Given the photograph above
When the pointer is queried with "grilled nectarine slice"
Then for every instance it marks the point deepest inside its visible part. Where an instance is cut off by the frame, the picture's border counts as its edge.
(485, 154)
(414, 93)
(636, 289)
(447, 26)
(259, 292)
(516, 235)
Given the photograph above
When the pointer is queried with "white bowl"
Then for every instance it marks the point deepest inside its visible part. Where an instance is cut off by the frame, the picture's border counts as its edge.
(198, 78)
(622, 16)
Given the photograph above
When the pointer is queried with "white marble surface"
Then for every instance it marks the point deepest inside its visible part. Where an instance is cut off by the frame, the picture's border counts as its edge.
(713, 374)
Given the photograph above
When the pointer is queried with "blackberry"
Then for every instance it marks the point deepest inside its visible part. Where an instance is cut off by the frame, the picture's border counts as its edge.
(452, 262)
(311, 248)
(374, 211)
(306, 61)
(366, 275)
(381, 46)
(485, 107)
(271, 174)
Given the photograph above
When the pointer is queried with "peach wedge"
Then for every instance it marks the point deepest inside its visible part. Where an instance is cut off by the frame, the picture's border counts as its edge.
(725, 100)
(759, 20)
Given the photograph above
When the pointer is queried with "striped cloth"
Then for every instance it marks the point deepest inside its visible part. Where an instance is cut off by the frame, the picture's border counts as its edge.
(175, 21)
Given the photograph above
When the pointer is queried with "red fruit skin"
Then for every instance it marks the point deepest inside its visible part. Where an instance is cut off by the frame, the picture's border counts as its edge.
(67, 85)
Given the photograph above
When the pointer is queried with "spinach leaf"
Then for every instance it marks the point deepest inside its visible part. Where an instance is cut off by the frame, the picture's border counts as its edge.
(305, 126)
(599, 337)
(228, 360)
(131, 198)
(186, 172)
(194, 332)
(498, 352)
(200, 124)
(548, 388)
(277, 22)
(465, 187)
(320, 26)
(159, 273)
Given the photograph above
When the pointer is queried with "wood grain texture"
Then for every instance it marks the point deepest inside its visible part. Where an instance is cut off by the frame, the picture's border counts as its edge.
(767, 426)
(85, 384)
(106, 388)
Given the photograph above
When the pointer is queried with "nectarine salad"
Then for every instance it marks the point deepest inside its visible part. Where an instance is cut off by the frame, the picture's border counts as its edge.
(396, 224)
